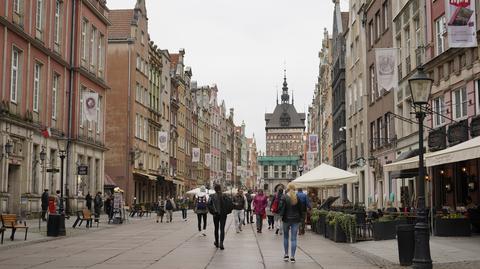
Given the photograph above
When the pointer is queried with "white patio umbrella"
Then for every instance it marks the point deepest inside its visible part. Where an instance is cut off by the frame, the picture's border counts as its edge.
(197, 190)
(325, 175)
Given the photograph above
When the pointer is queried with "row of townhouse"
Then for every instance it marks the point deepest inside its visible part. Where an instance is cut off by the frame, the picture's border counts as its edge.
(87, 99)
(380, 128)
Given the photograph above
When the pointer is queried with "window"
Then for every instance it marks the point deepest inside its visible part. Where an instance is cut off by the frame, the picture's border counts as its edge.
(101, 55)
(56, 30)
(373, 92)
(385, 15)
(380, 131)
(16, 6)
(138, 62)
(93, 48)
(370, 31)
(14, 80)
(388, 130)
(82, 90)
(372, 136)
(137, 125)
(37, 70)
(438, 111)
(55, 85)
(418, 35)
(459, 103)
(378, 25)
(439, 32)
(145, 128)
(142, 38)
(407, 40)
(84, 42)
(39, 16)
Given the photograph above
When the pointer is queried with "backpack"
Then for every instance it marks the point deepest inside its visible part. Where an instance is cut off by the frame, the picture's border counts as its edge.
(169, 205)
(274, 207)
(202, 202)
(227, 204)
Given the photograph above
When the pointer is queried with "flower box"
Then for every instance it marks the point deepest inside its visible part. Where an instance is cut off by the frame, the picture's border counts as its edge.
(339, 235)
(321, 225)
(452, 227)
(384, 230)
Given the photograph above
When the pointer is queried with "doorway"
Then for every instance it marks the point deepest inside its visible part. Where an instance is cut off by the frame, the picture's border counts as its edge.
(14, 188)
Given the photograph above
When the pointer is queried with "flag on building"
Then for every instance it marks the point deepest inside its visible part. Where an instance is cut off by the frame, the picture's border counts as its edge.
(163, 141)
(47, 132)
(313, 143)
(386, 65)
(208, 159)
(90, 101)
(460, 24)
(195, 155)
(229, 166)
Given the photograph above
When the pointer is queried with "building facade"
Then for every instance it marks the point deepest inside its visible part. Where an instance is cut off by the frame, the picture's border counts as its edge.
(41, 117)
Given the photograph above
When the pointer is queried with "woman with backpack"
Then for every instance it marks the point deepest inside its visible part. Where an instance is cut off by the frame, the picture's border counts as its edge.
(275, 206)
(169, 207)
(160, 209)
(200, 208)
(292, 211)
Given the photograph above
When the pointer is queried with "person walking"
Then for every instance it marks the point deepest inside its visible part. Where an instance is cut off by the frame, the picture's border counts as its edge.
(249, 206)
(184, 206)
(200, 208)
(109, 207)
(89, 200)
(270, 217)
(275, 210)
(44, 204)
(259, 205)
(292, 211)
(305, 201)
(169, 207)
(219, 205)
(97, 205)
(160, 210)
(239, 207)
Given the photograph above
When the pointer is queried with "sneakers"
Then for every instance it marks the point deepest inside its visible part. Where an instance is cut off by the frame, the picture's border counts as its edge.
(285, 258)
(292, 260)
(276, 231)
(216, 244)
(221, 246)
(204, 234)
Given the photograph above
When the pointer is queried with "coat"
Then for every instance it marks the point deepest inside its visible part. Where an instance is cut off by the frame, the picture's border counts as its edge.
(259, 204)
(220, 204)
(45, 200)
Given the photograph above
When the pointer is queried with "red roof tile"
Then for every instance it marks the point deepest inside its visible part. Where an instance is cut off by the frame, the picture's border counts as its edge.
(121, 22)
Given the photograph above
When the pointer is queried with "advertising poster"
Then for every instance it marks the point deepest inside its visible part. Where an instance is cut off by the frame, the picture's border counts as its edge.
(461, 23)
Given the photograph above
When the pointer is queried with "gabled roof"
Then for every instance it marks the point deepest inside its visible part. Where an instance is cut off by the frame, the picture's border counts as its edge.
(274, 120)
(121, 23)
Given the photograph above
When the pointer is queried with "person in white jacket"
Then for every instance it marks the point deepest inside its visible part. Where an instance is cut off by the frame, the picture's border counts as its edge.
(239, 206)
(200, 208)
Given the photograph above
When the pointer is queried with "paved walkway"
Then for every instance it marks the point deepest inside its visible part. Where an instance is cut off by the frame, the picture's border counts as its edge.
(146, 244)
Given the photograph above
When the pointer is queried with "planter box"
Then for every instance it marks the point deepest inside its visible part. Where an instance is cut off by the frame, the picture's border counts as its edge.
(384, 230)
(321, 225)
(313, 226)
(452, 227)
(339, 235)
(329, 231)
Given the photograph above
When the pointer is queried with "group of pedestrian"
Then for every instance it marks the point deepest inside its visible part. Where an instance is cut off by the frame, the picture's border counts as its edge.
(165, 206)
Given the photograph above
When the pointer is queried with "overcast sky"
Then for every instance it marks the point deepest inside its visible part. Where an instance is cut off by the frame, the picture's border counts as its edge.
(242, 45)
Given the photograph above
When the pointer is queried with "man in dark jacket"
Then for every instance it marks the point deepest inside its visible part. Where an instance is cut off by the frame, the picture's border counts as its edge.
(44, 204)
(219, 205)
(89, 199)
(249, 207)
(98, 204)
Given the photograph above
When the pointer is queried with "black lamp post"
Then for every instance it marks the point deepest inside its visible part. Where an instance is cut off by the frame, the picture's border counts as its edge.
(420, 87)
(62, 153)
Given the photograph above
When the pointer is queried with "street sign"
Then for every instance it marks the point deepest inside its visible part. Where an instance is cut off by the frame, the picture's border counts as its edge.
(82, 170)
(53, 170)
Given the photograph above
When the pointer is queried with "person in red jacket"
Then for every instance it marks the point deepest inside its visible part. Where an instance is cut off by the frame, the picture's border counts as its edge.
(259, 205)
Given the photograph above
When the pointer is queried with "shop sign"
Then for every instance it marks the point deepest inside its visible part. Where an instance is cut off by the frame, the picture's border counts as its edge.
(436, 139)
(82, 170)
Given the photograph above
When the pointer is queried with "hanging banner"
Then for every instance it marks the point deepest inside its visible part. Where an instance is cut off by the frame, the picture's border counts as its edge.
(229, 177)
(386, 65)
(208, 159)
(461, 23)
(313, 143)
(90, 101)
(163, 141)
(310, 160)
(195, 155)
(229, 166)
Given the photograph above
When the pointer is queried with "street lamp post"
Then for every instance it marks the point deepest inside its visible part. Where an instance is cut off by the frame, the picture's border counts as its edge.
(420, 87)
(62, 152)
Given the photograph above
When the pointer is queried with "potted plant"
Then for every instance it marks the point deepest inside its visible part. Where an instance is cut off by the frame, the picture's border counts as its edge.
(315, 215)
(454, 224)
(321, 223)
(384, 228)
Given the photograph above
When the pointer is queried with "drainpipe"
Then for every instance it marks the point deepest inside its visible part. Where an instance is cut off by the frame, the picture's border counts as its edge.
(70, 102)
(128, 148)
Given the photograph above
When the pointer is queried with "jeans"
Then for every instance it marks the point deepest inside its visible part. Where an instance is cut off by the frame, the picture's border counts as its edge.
(271, 221)
(249, 216)
(184, 213)
(259, 222)
(219, 223)
(278, 222)
(287, 228)
(199, 219)
(238, 216)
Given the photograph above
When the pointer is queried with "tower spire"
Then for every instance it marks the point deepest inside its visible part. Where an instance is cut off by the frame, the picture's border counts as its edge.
(292, 97)
(285, 96)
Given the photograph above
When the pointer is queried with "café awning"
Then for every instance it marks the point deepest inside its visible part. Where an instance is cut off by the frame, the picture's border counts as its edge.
(325, 175)
(464, 151)
(147, 176)
(406, 161)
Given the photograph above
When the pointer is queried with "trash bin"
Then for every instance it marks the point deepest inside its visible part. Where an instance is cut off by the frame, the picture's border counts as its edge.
(53, 225)
(406, 243)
